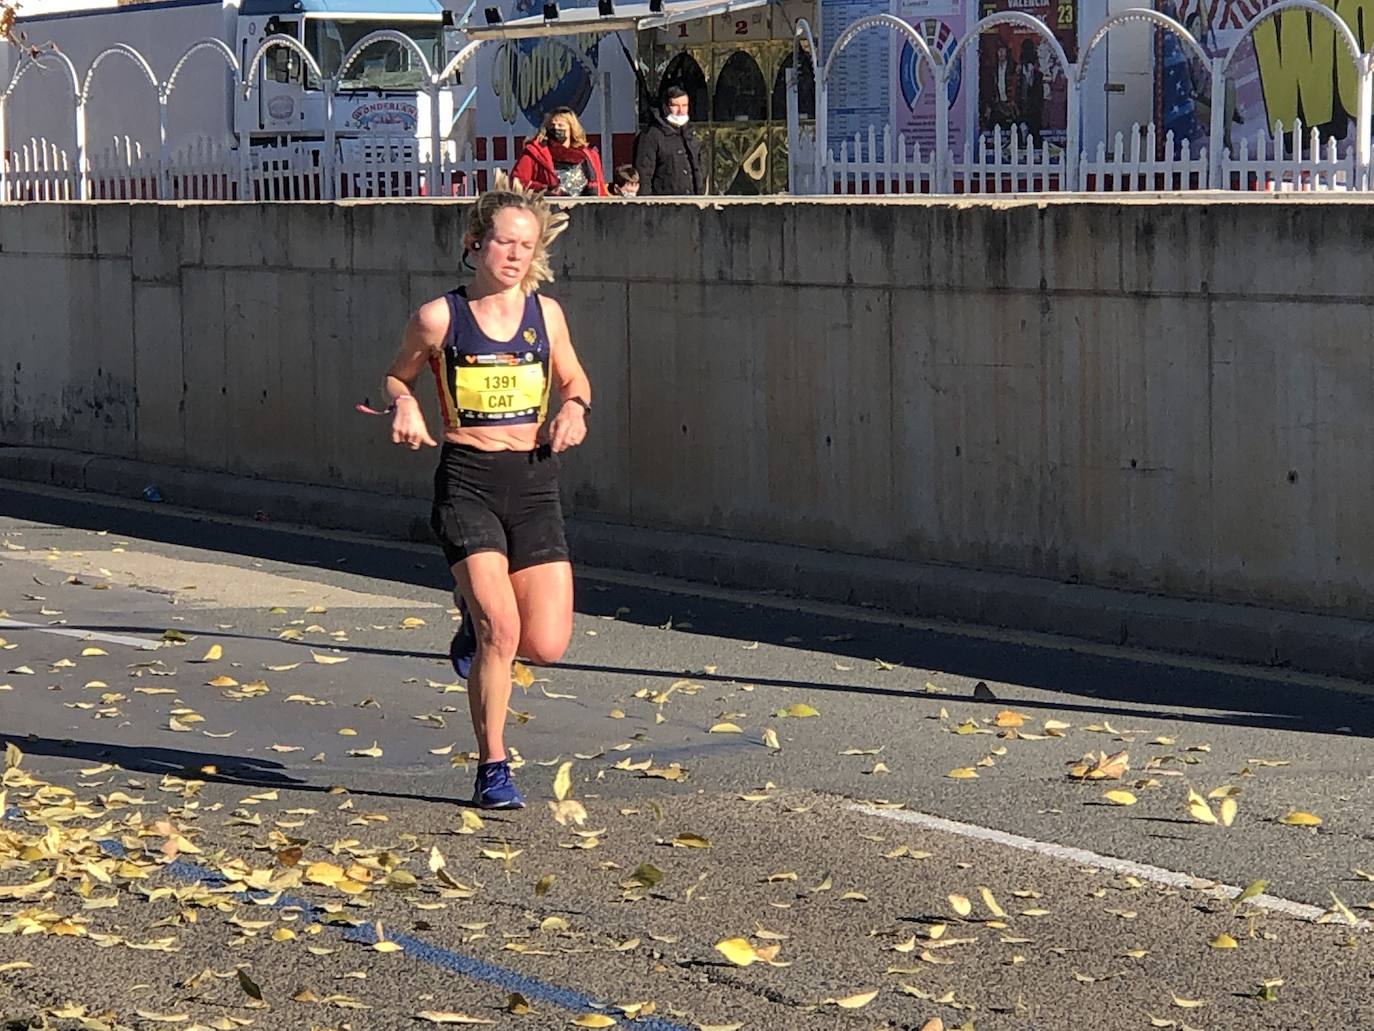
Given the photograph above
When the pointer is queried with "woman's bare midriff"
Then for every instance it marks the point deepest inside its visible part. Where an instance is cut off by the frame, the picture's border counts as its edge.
(517, 438)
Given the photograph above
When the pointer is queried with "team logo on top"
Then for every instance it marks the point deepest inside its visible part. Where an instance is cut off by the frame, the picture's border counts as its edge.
(529, 335)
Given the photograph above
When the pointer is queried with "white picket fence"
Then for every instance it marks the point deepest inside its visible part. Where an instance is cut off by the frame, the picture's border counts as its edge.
(203, 169)
(887, 167)
(1301, 169)
(879, 162)
(38, 170)
(1003, 162)
(1144, 167)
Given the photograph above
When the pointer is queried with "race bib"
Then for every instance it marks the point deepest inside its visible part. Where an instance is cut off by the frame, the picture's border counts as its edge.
(493, 391)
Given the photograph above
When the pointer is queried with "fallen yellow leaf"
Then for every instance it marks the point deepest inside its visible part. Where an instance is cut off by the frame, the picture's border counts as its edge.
(562, 782)
(1103, 767)
(1198, 808)
(1119, 797)
(593, 1020)
(738, 951)
(1344, 910)
(1227, 811)
(991, 903)
(1298, 818)
(854, 1002)
(570, 810)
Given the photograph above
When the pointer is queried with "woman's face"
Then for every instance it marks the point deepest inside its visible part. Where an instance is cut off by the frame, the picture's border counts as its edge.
(504, 256)
(560, 129)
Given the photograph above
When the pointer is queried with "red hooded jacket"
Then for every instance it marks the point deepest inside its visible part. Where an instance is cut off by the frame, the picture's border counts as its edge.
(535, 167)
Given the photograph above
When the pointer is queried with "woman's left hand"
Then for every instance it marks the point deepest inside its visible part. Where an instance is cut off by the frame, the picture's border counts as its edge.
(568, 428)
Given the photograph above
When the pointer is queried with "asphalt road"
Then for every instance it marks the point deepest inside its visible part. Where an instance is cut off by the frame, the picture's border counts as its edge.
(265, 809)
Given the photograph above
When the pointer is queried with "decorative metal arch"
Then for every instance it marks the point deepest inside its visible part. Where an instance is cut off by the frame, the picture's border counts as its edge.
(801, 31)
(1020, 18)
(875, 21)
(1144, 15)
(455, 64)
(32, 62)
(127, 51)
(1352, 45)
(384, 36)
(277, 40)
(217, 45)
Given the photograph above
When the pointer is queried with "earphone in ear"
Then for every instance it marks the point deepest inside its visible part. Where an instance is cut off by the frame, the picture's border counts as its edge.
(477, 247)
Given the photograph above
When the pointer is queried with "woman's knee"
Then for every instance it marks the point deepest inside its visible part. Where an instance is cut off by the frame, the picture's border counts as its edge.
(544, 648)
(498, 631)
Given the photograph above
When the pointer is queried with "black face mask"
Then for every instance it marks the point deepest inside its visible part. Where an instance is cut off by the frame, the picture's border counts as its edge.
(558, 135)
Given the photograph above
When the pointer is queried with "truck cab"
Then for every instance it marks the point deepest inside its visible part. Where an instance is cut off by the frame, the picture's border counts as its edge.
(381, 93)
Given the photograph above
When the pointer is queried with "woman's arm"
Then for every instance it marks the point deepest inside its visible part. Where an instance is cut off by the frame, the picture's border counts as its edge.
(525, 169)
(424, 336)
(568, 427)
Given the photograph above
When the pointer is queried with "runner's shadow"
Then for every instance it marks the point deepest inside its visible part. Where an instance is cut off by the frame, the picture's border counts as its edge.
(244, 771)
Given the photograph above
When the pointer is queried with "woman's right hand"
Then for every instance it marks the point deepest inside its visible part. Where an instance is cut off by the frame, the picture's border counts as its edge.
(408, 425)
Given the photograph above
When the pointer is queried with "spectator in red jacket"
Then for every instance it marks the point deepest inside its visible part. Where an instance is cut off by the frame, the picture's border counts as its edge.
(559, 160)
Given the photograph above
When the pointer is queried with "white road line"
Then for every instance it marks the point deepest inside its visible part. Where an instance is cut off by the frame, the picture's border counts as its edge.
(1082, 857)
(143, 644)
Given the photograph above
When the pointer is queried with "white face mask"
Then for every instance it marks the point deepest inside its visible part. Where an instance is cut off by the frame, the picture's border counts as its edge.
(677, 121)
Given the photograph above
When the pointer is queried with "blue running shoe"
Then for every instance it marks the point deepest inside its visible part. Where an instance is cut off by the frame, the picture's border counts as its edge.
(494, 788)
(463, 648)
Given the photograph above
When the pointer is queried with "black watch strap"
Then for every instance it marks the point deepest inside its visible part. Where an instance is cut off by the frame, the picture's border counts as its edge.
(585, 406)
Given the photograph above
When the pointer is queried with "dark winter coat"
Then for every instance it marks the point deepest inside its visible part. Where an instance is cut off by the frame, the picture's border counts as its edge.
(668, 160)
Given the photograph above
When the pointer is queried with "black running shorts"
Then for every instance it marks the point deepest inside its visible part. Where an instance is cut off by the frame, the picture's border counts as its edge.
(504, 501)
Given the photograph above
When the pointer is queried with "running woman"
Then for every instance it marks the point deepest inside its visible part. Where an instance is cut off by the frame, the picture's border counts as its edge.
(496, 347)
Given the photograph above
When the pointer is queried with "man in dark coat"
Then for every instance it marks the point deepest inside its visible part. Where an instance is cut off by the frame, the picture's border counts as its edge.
(667, 155)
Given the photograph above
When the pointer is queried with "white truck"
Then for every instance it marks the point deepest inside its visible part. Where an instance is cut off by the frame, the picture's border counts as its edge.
(382, 93)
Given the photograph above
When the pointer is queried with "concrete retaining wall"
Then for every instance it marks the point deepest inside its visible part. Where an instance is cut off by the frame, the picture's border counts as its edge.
(1174, 397)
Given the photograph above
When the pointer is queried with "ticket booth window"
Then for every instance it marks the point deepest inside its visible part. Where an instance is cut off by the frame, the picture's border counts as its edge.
(733, 69)
(741, 91)
(806, 90)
